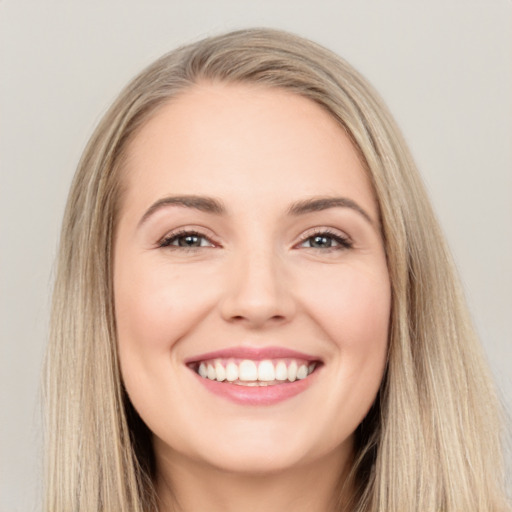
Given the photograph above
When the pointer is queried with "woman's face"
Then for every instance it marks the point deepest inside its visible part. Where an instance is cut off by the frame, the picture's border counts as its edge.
(251, 289)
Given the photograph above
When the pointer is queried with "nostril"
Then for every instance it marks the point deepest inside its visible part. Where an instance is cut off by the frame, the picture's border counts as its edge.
(258, 320)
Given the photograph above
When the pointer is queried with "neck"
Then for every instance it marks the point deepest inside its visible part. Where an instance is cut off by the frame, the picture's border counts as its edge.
(188, 486)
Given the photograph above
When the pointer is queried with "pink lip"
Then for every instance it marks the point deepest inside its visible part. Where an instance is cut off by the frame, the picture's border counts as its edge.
(256, 354)
(258, 395)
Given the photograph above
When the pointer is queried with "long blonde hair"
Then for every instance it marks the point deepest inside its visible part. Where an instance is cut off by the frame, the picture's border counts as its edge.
(432, 441)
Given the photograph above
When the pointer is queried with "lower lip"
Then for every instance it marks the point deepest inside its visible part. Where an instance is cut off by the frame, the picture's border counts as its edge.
(256, 395)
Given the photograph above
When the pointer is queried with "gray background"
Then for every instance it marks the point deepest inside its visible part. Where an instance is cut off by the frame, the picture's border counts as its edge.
(444, 67)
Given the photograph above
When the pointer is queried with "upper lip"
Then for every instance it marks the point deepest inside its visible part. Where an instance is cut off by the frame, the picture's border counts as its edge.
(254, 353)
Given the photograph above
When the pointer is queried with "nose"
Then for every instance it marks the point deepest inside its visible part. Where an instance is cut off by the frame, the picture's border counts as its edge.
(257, 292)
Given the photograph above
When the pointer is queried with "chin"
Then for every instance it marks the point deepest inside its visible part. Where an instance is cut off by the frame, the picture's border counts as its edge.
(262, 451)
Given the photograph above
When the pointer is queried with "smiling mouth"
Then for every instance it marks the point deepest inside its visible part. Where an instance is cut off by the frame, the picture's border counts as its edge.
(254, 373)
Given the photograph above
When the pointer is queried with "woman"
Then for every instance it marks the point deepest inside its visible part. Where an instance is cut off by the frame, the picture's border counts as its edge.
(254, 307)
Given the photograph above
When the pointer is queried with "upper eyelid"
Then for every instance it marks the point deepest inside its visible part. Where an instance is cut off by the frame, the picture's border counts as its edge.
(195, 229)
(324, 230)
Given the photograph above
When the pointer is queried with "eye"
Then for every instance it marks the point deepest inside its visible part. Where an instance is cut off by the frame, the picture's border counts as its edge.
(185, 240)
(326, 240)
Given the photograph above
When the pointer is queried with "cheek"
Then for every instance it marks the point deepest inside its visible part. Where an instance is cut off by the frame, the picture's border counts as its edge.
(354, 312)
(353, 304)
(156, 304)
(353, 309)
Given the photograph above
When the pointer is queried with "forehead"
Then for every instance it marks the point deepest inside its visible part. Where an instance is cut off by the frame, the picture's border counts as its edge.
(240, 140)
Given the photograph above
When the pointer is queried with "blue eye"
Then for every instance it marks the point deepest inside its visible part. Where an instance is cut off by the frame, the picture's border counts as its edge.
(186, 240)
(326, 240)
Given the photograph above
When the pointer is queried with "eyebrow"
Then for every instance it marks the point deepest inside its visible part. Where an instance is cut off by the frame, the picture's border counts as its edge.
(201, 203)
(212, 205)
(323, 203)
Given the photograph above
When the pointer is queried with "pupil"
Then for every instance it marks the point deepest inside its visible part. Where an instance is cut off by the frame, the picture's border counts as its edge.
(321, 241)
(189, 241)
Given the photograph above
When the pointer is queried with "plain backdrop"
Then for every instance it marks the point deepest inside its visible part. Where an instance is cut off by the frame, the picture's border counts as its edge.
(444, 67)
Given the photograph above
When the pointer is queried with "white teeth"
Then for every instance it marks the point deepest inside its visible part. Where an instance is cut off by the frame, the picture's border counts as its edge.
(247, 370)
(220, 371)
(231, 372)
(202, 370)
(266, 371)
(211, 372)
(281, 371)
(302, 372)
(292, 371)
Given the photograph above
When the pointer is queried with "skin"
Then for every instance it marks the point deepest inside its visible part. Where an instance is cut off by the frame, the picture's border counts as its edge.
(256, 281)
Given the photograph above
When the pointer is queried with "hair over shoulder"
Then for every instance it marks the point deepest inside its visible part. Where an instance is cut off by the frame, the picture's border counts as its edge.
(433, 439)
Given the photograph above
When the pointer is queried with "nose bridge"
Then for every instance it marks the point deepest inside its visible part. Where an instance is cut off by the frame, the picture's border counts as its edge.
(257, 289)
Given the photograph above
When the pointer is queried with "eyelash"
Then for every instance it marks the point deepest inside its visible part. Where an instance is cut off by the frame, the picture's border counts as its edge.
(342, 241)
(168, 240)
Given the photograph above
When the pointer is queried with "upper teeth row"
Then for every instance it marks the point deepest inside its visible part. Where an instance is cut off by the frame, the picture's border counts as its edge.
(247, 370)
